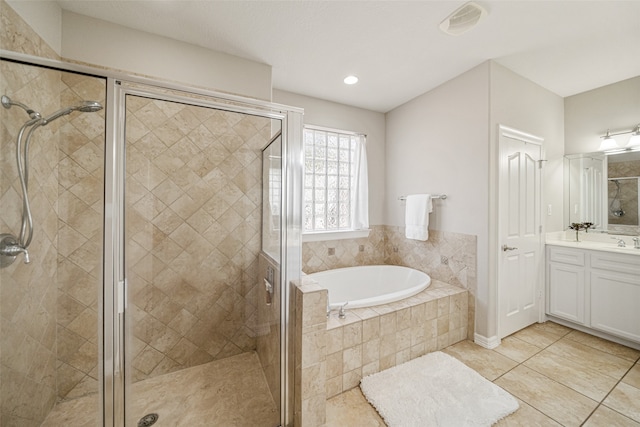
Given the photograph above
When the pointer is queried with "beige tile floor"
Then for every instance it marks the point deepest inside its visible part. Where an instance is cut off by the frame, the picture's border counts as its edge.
(227, 392)
(559, 376)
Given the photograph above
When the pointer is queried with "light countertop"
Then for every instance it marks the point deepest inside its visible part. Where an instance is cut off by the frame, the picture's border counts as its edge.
(592, 241)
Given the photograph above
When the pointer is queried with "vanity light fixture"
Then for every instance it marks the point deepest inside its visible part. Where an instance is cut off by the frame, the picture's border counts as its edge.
(608, 143)
(610, 146)
(350, 80)
(634, 141)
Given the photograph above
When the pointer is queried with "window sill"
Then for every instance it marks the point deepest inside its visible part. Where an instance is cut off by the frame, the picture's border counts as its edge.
(334, 235)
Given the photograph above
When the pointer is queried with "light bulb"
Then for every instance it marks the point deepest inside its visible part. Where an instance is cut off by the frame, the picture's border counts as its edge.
(608, 143)
(634, 141)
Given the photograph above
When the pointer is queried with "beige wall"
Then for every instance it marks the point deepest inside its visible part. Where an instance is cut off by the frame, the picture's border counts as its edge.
(88, 40)
(588, 115)
(116, 47)
(521, 104)
(445, 141)
(438, 143)
(319, 112)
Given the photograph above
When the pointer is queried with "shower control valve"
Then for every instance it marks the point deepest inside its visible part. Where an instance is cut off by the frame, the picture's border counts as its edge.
(10, 249)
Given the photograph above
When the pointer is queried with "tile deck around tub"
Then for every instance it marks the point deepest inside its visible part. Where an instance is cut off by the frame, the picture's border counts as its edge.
(371, 339)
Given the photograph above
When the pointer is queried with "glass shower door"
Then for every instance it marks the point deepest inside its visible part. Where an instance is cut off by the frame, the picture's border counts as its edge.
(193, 224)
(50, 302)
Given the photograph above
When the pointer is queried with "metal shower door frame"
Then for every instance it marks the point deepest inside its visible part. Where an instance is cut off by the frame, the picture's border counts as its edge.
(115, 386)
(111, 409)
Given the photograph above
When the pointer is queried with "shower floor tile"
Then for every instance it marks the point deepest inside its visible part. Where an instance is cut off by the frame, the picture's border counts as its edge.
(227, 392)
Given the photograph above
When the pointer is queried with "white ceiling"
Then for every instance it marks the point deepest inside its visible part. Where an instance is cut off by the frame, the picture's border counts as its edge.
(395, 47)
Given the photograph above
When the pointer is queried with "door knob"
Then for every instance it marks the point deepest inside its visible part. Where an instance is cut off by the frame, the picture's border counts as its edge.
(506, 248)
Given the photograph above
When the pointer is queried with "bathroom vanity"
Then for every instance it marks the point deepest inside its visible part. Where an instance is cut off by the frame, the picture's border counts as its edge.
(594, 283)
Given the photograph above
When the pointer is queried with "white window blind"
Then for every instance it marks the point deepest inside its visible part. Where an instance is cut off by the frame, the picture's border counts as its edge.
(335, 185)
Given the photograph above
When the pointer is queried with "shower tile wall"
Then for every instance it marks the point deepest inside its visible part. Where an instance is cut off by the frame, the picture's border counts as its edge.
(17, 36)
(28, 292)
(194, 196)
(80, 225)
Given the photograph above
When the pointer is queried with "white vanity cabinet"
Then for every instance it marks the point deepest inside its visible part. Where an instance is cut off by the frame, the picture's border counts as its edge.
(595, 289)
(567, 285)
(615, 294)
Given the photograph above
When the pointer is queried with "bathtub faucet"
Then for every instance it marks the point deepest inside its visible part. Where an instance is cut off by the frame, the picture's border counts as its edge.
(341, 312)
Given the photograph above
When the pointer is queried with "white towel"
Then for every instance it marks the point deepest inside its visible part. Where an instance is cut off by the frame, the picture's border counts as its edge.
(417, 216)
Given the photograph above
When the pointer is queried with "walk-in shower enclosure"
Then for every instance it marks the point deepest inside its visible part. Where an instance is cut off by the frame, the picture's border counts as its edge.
(165, 227)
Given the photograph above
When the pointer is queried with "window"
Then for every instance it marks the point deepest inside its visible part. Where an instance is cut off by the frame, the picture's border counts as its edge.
(335, 181)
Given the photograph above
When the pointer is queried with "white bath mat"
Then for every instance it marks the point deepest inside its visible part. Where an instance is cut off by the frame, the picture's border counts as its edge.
(436, 390)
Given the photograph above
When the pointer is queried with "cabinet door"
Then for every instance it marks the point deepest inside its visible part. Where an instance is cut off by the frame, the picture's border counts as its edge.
(615, 303)
(566, 291)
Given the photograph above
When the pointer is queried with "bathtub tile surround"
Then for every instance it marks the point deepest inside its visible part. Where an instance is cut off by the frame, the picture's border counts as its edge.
(448, 257)
(372, 339)
(332, 355)
(309, 323)
(319, 256)
(458, 269)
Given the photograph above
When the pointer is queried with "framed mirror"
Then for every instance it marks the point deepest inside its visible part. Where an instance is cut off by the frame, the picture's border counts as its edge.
(604, 190)
(623, 192)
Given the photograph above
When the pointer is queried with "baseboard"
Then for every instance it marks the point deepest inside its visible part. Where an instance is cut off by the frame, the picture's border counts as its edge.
(489, 343)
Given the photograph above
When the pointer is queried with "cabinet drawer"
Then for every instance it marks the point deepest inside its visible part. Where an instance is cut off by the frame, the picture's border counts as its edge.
(621, 263)
(566, 256)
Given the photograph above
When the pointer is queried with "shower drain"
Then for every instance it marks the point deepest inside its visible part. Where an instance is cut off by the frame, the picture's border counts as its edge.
(148, 420)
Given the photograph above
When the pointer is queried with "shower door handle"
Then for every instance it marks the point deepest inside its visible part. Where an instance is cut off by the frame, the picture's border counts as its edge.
(121, 303)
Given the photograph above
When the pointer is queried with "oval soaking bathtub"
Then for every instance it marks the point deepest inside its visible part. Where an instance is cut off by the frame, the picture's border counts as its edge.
(370, 285)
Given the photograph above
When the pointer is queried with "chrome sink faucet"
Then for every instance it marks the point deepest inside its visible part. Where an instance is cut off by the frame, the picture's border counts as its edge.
(621, 243)
(636, 242)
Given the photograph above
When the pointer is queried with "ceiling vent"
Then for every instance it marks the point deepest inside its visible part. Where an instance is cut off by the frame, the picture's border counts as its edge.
(463, 19)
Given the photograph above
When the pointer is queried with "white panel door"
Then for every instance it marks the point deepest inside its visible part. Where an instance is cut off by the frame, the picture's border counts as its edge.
(520, 237)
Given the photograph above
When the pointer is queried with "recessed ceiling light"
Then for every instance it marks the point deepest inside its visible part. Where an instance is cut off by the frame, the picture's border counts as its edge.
(350, 80)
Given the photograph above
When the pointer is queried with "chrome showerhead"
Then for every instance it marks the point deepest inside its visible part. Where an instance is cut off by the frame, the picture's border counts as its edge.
(7, 103)
(84, 107)
(89, 106)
